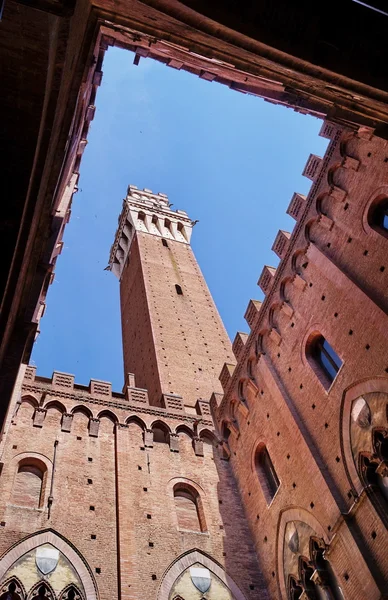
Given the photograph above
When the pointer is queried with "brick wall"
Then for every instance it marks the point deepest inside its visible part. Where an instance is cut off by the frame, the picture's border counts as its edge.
(172, 343)
(332, 280)
(113, 489)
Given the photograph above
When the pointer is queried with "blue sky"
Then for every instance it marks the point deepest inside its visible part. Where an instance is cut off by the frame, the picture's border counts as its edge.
(230, 160)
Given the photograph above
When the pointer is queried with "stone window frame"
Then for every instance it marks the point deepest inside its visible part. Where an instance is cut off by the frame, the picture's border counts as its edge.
(378, 202)
(195, 497)
(195, 489)
(266, 473)
(185, 561)
(49, 536)
(354, 391)
(312, 342)
(33, 458)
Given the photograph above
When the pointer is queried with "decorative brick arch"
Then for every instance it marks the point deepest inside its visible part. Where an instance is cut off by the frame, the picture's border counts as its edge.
(365, 386)
(68, 550)
(56, 404)
(30, 399)
(187, 560)
(80, 408)
(293, 513)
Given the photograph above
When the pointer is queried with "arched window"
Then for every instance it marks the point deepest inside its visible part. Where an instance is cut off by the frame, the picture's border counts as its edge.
(378, 215)
(241, 393)
(324, 360)
(11, 590)
(374, 472)
(41, 592)
(28, 484)
(225, 432)
(71, 592)
(161, 433)
(266, 473)
(178, 290)
(188, 508)
(323, 576)
(294, 589)
(251, 369)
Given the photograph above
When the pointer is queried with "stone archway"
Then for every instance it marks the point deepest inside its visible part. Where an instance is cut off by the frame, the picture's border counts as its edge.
(189, 559)
(61, 544)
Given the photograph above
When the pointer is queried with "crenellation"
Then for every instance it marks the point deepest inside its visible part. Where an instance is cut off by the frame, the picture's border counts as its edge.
(30, 373)
(63, 380)
(313, 166)
(291, 399)
(281, 242)
(173, 402)
(226, 375)
(100, 388)
(252, 312)
(265, 478)
(266, 278)
(239, 343)
(136, 395)
(297, 206)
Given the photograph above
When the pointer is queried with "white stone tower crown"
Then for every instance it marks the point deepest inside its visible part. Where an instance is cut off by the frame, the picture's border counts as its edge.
(149, 213)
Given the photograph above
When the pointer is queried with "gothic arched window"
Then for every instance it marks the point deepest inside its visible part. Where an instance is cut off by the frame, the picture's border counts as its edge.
(323, 576)
(323, 359)
(294, 589)
(374, 472)
(28, 484)
(188, 508)
(266, 473)
(11, 590)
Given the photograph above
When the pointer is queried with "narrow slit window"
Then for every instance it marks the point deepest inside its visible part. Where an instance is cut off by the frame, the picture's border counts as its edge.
(164, 242)
(266, 473)
(327, 360)
(178, 290)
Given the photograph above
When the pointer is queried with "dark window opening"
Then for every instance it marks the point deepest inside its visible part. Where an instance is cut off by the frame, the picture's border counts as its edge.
(323, 358)
(178, 290)
(160, 434)
(266, 473)
(378, 216)
(164, 242)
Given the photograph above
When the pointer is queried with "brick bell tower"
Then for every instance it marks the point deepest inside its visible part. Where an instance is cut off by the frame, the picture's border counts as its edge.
(174, 341)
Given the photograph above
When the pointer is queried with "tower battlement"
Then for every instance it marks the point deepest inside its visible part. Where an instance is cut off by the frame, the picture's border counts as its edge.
(151, 213)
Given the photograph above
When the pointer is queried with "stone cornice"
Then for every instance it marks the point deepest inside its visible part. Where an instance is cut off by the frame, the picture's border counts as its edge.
(127, 406)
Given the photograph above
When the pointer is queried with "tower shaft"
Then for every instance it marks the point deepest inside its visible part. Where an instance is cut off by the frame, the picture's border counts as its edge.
(173, 337)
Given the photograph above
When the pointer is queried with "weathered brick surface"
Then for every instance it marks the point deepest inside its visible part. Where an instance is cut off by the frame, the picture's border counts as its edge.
(172, 343)
(332, 279)
(126, 483)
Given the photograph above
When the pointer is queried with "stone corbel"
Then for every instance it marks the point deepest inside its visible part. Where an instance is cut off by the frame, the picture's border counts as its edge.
(174, 442)
(224, 451)
(299, 282)
(198, 446)
(149, 438)
(287, 309)
(94, 425)
(351, 163)
(39, 417)
(67, 420)
(337, 194)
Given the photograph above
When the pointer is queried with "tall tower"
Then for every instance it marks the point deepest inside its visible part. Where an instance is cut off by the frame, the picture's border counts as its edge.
(173, 338)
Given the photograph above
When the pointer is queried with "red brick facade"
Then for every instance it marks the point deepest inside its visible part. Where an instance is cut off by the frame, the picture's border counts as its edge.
(319, 508)
(136, 484)
(134, 496)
